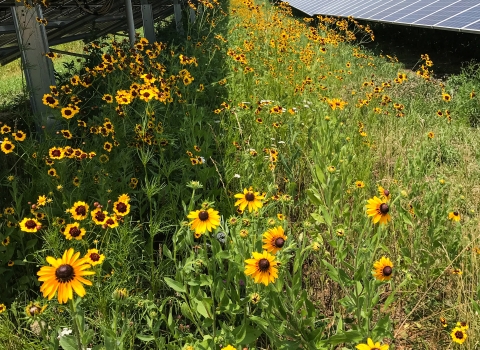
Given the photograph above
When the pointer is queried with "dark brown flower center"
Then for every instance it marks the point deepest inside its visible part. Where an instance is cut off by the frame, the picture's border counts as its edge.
(110, 222)
(64, 273)
(250, 197)
(122, 207)
(387, 271)
(30, 224)
(8, 146)
(50, 100)
(455, 213)
(75, 232)
(100, 216)
(68, 111)
(94, 257)
(81, 210)
(459, 334)
(386, 193)
(56, 153)
(263, 265)
(203, 215)
(279, 242)
(384, 209)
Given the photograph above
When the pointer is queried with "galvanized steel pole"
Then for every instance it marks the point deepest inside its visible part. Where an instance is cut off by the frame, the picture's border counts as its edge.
(130, 21)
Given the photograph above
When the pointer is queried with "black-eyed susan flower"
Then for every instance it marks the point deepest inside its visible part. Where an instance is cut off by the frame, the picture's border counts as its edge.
(10, 263)
(281, 217)
(274, 239)
(34, 309)
(65, 276)
(74, 231)
(370, 345)
(383, 269)
(454, 216)
(19, 135)
(107, 98)
(446, 97)
(93, 257)
(262, 267)
(462, 325)
(66, 133)
(7, 146)
(331, 169)
(378, 209)
(359, 184)
(30, 225)
(443, 321)
(203, 220)
(79, 210)
(3, 308)
(229, 347)
(459, 335)
(98, 216)
(431, 134)
(250, 199)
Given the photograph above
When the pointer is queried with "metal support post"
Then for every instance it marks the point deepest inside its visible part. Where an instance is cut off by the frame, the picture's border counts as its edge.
(38, 69)
(130, 22)
(147, 17)
(178, 16)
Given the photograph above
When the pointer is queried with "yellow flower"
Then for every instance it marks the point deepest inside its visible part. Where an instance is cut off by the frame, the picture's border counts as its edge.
(378, 209)
(454, 216)
(262, 267)
(73, 231)
(359, 184)
(3, 308)
(383, 269)
(203, 220)
(7, 146)
(30, 225)
(372, 346)
(459, 335)
(229, 347)
(65, 276)
(274, 239)
(249, 198)
(79, 210)
(33, 309)
(93, 257)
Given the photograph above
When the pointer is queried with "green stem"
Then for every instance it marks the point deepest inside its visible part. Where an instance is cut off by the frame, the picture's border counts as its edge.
(76, 326)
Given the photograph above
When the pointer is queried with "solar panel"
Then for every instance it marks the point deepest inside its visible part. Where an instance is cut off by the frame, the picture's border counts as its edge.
(447, 12)
(462, 19)
(462, 15)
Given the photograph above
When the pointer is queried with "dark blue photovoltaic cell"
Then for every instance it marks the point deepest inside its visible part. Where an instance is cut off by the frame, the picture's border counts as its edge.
(447, 12)
(362, 9)
(347, 8)
(463, 19)
(474, 26)
(391, 9)
(415, 16)
(408, 9)
(383, 5)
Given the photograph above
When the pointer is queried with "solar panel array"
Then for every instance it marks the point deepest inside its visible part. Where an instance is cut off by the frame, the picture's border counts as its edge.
(460, 15)
(68, 22)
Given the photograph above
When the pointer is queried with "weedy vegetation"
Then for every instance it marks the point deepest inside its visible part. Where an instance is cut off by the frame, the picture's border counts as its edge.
(262, 182)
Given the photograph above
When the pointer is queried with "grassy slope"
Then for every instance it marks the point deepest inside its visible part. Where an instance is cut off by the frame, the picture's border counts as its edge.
(395, 152)
(12, 83)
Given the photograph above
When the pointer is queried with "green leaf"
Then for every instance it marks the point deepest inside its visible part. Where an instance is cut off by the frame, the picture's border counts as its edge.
(68, 342)
(31, 243)
(88, 336)
(203, 308)
(345, 337)
(177, 286)
(240, 333)
(167, 252)
(145, 338)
